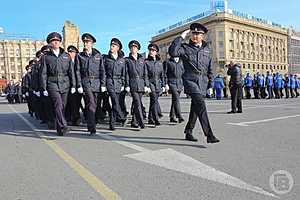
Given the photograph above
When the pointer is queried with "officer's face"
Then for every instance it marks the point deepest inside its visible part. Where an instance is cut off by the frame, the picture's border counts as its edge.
(87, 44)
(134, 50)
(197, 37)
(152, 53)
(114, 48)
(55, 44)
(72, 54)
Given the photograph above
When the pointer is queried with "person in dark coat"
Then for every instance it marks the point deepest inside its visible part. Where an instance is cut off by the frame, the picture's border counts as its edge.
(156, 77)
(174, 71)
(115, 70)
(92, 77)
(287, 85)
(26, 82)
(136, 82)
(293, 85)
(197, 72)
(236, 87)
(297, 85)
(10, 92)
(58, 78)
(74, 100)
(18, 93)
(255, 86)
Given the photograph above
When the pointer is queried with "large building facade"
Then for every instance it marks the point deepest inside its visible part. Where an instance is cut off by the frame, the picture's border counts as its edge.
(71, 35)
(15, 55)
(258, 45)
(294, 52)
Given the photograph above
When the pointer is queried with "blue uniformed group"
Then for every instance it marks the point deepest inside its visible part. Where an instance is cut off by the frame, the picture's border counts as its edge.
(262, 86)
(60, 85)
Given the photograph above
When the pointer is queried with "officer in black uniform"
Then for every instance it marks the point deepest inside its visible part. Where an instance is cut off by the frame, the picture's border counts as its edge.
(156, 77)
(236, 87)
(18, 93)
(197, 73)
(174, 71)
(115, 70)
(92, 78)
(46, 102)
(136, 82)
(74, 100)
(26, 82)
(57, 75)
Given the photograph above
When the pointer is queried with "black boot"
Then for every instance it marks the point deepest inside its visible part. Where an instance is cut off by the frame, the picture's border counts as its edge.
(134, 125)
(92, 132)
(212, 139)
(173, 120)
(180, 120)
(190, 137)
(65, 130)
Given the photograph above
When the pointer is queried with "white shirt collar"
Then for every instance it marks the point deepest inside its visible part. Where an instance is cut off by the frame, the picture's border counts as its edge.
(56, 52)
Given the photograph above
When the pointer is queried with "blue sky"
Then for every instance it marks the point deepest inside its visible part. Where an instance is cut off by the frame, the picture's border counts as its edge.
(127, 20)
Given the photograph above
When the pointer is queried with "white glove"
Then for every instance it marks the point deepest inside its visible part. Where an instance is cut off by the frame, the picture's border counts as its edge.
(184, 34)
(80, 90)
(73, 90)
(45, 93)
(127, 89)
(167, 87)
(163, 89)
(26, 94)
(147, 90)
(122, 88)
(103, 89)
(210, 91)
(38, 94)
(34, 92)
(23, 95)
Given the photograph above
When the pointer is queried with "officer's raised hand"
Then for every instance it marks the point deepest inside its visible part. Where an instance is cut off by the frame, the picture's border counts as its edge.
(185, 33)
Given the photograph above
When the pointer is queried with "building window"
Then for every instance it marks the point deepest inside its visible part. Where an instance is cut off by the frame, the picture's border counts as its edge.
(284, 67)
(244, 66)
(262, 67)
(221, 44)
(249, 66)
(221, 34)
(258, 66)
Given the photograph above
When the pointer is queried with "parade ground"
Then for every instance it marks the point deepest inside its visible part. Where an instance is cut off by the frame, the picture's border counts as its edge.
(155, 163)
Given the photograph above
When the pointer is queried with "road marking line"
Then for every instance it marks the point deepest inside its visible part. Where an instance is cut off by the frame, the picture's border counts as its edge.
(263, 120)
(176, 161)
(84, 173)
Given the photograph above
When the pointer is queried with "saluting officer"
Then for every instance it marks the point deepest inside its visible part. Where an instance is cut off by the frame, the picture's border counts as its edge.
(198, 71)
(92, 77)
(156, 77)
(58, 78)
(115, 70)
(136, 82)
(174, 71)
